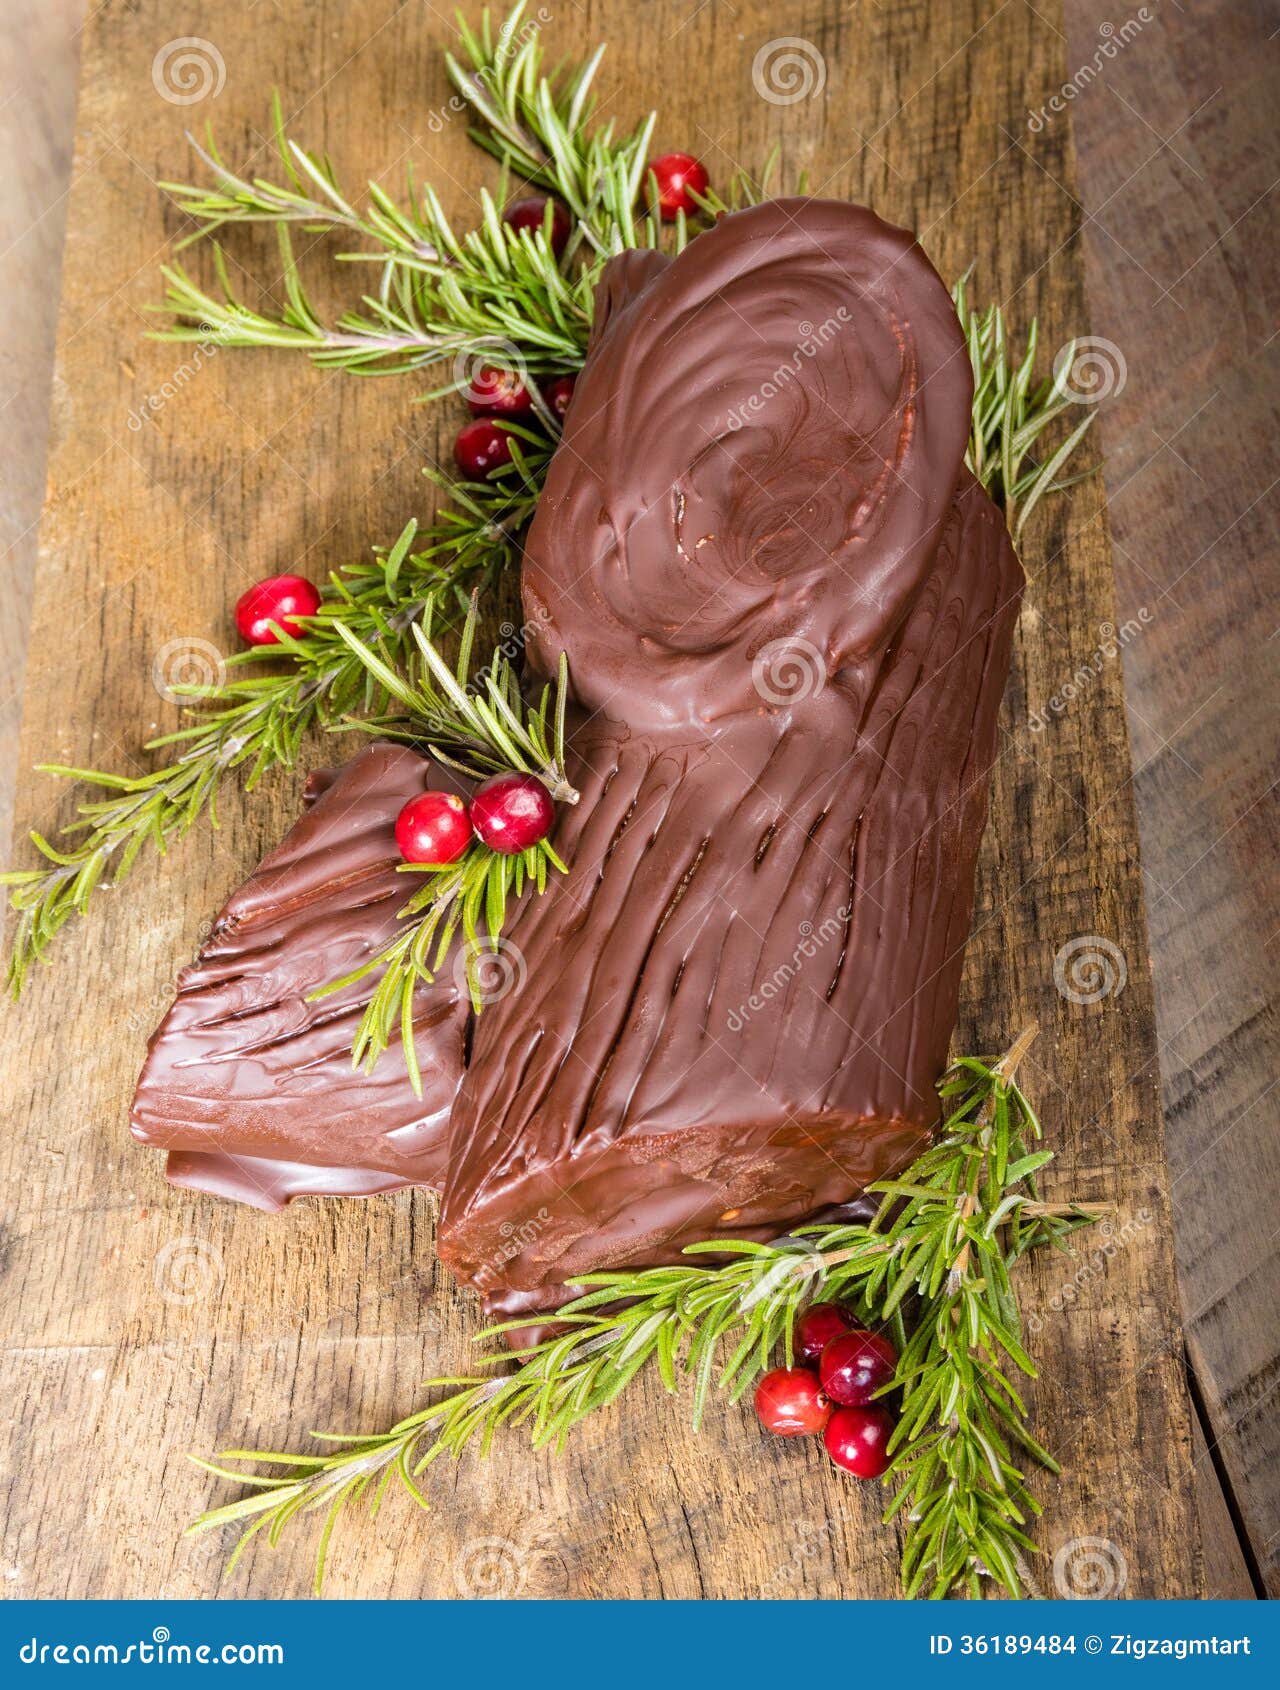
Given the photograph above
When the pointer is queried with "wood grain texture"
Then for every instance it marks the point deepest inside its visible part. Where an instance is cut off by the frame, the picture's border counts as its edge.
(1184, 172)
(38, 54)
(142, 1322)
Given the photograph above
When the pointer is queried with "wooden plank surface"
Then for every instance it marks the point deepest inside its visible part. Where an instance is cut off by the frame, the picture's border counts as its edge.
(1184, 170)
(38, 54)
(330, 1313)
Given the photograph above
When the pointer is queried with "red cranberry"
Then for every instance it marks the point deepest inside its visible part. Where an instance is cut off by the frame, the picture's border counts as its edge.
(496, 392)
(278, 599)
(557, 395)
(531, 213)
(675, 174)
(433, 828)
(511, 812)
(816, 1327)
(790, 1402)
(481, 446)
(857, 1439)
(855, 1365)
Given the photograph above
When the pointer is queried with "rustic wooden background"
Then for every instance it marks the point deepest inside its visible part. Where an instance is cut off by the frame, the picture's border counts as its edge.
(330, 1314)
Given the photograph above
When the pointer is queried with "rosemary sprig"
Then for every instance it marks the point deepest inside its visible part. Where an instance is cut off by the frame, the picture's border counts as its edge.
(478, 723)
(539, 128)
(956, 1223)
(721, 1327)
(744, 188)
(310, 196)
(1011, 411)
(254, 720)
(492, 291)
(441, 295)
(487, 294)
(474, 890)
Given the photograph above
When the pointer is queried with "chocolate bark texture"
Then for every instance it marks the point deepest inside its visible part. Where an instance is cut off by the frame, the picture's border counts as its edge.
(247, 1084)
(787, 609)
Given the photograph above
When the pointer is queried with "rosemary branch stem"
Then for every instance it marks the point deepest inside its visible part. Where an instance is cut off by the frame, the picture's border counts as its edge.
(966, 1501)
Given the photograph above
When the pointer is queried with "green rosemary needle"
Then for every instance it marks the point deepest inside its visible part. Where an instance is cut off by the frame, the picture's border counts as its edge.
(256, 717)
(488, 294)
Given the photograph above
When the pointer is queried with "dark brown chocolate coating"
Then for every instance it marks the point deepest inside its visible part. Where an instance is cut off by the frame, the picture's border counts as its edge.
(249, 1086)
(787, 610)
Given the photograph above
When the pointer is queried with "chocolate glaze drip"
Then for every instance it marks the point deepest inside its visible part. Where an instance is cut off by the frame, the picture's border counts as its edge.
(787, 610)
(248, 1085)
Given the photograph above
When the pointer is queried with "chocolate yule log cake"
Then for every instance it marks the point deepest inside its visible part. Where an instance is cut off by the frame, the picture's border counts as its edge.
(787, 609)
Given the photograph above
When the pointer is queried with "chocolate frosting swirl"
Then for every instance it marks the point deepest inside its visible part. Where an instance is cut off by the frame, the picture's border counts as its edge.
(762, 446)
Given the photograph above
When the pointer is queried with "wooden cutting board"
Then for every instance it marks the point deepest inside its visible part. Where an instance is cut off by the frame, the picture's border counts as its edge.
(142, 1322)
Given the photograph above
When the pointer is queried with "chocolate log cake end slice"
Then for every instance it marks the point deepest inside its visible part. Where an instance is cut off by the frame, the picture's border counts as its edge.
(248, 1085)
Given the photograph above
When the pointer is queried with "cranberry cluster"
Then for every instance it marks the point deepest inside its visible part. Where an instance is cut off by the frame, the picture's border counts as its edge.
(834, 1390)
(483, 445)
(508, 813)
